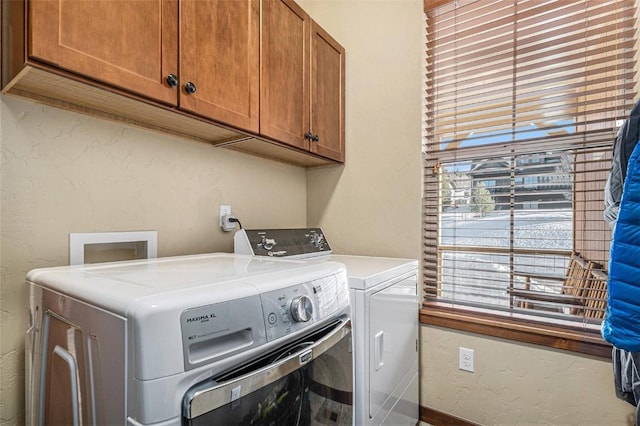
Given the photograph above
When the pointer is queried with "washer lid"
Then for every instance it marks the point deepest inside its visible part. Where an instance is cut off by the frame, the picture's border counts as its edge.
(124, 287)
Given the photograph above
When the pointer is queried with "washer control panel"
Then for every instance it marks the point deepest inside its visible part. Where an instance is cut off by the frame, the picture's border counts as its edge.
(216, 331)
(290, 309)
(281, 242)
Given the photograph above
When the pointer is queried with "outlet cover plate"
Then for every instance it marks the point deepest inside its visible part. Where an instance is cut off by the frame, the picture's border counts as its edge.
(466, 360)
(225, 210)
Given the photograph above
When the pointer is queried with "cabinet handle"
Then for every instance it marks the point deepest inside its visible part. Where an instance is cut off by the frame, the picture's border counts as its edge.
(308, 136)
(172, 80)
(315, 138)
(190, 88)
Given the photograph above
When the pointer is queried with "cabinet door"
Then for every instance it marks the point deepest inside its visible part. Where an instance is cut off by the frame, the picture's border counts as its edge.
(327, 94)
(284, 100)
(219, 55)
(128, 44)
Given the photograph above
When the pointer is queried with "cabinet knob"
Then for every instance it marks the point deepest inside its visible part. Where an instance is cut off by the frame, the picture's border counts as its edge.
(308, 136)
(190, 88)
(315, 138)
(172, 80)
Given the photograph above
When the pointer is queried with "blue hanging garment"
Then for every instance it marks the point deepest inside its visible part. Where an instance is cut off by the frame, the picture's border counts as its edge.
(621, 326)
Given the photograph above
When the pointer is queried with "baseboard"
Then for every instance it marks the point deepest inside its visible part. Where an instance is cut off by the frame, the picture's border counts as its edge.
(438, 418)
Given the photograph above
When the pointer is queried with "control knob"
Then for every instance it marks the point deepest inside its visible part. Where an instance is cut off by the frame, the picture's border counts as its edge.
(302, 308)
(317, 240)
(267, 243)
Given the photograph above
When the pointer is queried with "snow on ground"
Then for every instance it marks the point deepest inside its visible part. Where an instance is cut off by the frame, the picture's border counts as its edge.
(465, 274)
(533, 229)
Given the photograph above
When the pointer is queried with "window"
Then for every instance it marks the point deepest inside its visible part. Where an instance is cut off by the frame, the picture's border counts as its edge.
(523, 101)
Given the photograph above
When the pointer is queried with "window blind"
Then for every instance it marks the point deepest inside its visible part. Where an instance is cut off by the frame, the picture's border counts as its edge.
(523, 101)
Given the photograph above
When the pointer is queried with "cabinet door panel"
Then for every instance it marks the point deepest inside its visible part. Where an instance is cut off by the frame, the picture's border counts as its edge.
(327, 94)
(220, 53)
(284, 100)
(128, 44)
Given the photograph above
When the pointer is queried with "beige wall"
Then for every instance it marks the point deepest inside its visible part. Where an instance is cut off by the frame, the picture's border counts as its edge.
(372, 205)
(63, 172)
(517, 384)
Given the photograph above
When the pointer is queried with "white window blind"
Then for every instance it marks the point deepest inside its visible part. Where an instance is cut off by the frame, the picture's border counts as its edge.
(523, 101)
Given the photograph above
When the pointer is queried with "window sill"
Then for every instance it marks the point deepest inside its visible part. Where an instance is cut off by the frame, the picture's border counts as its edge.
(517, 328)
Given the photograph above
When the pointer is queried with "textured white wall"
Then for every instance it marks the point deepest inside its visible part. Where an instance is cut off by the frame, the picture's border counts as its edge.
(62, 172)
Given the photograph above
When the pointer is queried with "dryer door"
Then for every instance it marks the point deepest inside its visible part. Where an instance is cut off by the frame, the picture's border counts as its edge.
(393, 331)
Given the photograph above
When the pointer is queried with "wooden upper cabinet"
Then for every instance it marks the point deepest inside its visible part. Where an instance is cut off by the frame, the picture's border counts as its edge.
(128, 44)
(219, 56)
(327, 94)
(233, 72)
(284, 100)
(302, 92)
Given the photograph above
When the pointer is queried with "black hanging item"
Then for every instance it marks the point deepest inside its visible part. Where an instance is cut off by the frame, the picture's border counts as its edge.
(623, 146)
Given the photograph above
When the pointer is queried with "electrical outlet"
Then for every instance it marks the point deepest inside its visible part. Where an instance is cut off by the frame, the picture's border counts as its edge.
(466, 361)
(224, 211)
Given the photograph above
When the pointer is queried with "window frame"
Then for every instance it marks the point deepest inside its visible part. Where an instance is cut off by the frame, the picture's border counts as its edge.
(514, 327)
(562, 335)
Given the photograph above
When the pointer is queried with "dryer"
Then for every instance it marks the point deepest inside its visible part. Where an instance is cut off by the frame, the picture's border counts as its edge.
(384, 303)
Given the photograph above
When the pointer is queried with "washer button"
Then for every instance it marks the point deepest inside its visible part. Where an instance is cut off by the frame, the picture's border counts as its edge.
(272, 318)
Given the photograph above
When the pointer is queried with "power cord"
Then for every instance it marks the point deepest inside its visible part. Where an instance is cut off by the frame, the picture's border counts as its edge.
(234, 219)
(228, 223)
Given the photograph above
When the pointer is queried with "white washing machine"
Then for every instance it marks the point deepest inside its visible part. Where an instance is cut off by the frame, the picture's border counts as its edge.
(384, 303)
(190, 340)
